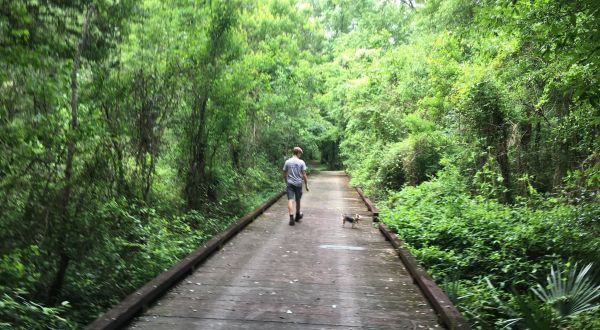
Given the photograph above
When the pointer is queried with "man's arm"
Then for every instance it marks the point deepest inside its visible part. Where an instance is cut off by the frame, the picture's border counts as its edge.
(285, 176)
(305, 180)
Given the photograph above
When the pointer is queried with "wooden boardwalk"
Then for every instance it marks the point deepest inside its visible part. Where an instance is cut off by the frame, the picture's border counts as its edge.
(314, 275)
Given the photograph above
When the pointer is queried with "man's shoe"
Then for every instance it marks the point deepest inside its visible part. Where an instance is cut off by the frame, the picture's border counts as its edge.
(299, 216)
(292, 220)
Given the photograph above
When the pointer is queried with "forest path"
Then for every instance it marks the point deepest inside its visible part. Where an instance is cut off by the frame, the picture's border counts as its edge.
(314, 275)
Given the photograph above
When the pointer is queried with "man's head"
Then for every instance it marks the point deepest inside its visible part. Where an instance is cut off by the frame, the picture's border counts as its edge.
(297, 151)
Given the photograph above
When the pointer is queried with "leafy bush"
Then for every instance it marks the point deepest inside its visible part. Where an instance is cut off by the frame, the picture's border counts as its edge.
(470, 239)
(391, 173)
(18, 309)
(18, 312)
(411, 161)
(138, 242)
(564, 301)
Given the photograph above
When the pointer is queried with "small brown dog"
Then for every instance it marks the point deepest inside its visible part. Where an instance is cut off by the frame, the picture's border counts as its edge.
(349, 218)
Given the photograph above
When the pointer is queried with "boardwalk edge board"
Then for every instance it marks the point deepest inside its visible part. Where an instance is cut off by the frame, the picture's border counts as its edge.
(370, 205)
(121, 314)
(446, 310)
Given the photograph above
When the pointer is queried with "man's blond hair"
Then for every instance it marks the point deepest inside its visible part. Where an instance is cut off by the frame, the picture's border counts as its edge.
(298, 151)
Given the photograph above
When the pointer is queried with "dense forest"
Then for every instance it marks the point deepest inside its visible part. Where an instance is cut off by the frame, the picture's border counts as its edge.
(132, 131)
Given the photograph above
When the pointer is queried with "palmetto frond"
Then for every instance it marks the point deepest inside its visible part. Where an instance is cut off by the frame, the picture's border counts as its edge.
(572, 294)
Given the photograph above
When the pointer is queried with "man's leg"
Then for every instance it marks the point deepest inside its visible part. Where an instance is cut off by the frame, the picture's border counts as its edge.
(298, 198)
(291, 206)
(291, 211)
(291, 196)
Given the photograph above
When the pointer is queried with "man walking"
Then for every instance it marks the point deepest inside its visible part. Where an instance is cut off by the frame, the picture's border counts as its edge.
(294, 171)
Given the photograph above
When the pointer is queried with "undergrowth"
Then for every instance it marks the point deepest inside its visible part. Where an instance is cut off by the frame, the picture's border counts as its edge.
(485, 253)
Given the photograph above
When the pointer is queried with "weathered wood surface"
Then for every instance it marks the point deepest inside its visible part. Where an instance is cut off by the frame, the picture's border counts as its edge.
(314, 275)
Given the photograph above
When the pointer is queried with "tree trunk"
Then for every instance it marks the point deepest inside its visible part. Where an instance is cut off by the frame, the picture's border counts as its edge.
(562, 149)
(196, 183)
(58, 281)
(503, 162)
(524, 130)
(561, 160)
(196, 171)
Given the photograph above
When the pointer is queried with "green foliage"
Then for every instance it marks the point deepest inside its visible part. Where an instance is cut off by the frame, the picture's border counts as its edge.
(489, 101)
(174, 123)
(123, 148)
(569, 295)
(411, 161)
(17, 312)
(17, 281)
(479, 72)
(532, 314)
(476, 239)
(564, 303)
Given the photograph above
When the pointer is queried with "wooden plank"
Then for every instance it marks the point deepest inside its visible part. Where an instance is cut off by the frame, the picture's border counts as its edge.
(136, 302)
(259, 310)
(404, 291)
(155, 322)
(438, 299)
(243, 295)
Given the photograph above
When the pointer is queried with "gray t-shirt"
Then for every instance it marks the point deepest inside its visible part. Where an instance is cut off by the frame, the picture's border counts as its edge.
(294, 167)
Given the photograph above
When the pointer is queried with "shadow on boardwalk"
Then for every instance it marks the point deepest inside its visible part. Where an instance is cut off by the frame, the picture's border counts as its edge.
(315, 275)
